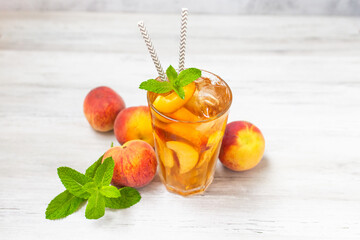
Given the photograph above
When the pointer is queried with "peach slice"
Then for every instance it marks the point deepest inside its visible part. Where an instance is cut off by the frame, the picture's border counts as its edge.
(212, 145)
(165, 154)
(172, 102)
(159, 118)
(182, 114)
(185, 131)
(187, 155)
(168, 158)
(185, 115)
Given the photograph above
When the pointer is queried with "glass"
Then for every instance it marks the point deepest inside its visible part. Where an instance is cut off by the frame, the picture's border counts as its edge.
(188, 136)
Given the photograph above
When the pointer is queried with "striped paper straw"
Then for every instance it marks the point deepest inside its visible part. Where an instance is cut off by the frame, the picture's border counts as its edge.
(184, 15)
(151, 49)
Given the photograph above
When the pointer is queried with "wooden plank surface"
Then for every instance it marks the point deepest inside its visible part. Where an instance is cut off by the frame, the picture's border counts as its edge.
(296, 78)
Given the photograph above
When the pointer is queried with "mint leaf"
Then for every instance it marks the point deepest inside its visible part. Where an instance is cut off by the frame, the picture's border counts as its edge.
(90, 172)
(110, 192)
(179, 91)
(62, 205)
(156, 86)
(105, 172)
(74, 181)
(96, 206)
(171, 74)
(176, 82)
(90, 187)
(129, 197)
(188, 76)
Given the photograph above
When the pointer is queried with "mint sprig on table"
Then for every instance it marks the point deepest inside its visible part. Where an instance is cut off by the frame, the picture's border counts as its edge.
(176, 81)
(92, 186)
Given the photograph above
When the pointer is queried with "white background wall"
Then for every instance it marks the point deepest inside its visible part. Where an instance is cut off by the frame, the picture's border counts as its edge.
(286, 7)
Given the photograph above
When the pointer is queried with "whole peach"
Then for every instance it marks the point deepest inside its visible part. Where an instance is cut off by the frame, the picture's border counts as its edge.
(101, 106)
(135, 164)
(134, 123)
(242, 147)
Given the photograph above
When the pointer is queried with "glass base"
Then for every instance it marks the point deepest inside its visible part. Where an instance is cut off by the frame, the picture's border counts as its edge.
(189, 192)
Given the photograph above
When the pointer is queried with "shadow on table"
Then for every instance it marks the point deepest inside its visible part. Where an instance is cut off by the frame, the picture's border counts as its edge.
(228, 182)
(103, 134)
(229, 188)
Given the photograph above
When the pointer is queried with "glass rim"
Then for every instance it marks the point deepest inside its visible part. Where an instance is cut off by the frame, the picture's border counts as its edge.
(226, 109)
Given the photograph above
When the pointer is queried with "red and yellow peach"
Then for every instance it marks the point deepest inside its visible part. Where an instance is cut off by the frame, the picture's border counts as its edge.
(101, 106)
(242, 147)
(134, 123)
(135, 164)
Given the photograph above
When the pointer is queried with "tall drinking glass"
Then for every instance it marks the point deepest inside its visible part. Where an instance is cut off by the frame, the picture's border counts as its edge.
(188, 133)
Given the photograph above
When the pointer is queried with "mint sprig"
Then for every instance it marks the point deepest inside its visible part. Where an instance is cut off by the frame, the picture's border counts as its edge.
(110, 192)
(93, 186)
(129, 196)
(90, 171)
(74, 181)
(153, 85)
(63, 205)
(96, 206)
(171, 74)
(175, 82)
(104, 172)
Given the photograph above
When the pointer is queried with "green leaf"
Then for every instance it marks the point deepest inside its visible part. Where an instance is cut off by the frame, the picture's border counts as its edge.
(156, 86)
(105, 172)
(188, 76)
(90, 187)
(179, 91)
(62, 205)
(90, 172)
(176, 82)
(74, 181)
(110, 192)
(129, 197)
(171, 74)
(96, 206)
(112, 144)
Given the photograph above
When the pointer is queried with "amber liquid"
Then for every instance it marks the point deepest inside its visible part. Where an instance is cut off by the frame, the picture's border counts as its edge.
(188, 140)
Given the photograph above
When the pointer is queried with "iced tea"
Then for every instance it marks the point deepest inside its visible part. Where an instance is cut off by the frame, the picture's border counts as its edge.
(188, 132)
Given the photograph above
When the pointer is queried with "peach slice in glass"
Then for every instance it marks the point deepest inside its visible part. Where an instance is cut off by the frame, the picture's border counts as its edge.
(165, 154)
(187, 132)
(181, 114)
(172, 102)
(187, 155)
(168, 158)
(184, 115)
(212, 145)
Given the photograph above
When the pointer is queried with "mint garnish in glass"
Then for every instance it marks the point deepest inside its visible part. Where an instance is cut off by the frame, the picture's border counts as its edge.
(175, 82)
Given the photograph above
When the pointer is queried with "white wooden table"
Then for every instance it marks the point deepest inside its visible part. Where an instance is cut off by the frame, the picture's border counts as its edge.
(296, 78)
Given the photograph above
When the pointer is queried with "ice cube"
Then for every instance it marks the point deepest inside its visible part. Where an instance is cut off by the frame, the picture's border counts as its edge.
(209, 98)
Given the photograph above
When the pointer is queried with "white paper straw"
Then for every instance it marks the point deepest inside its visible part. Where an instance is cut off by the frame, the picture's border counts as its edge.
(183, 30)
(151, 49)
